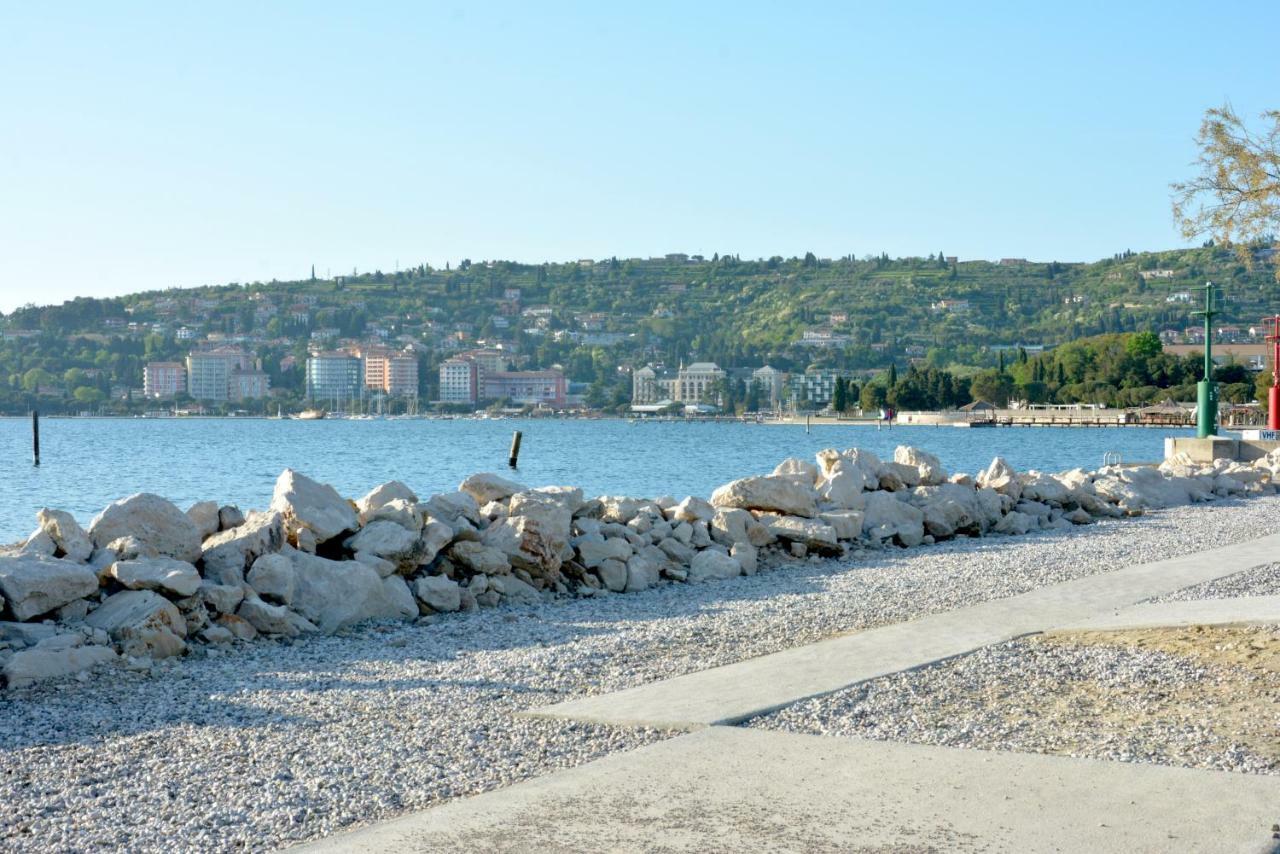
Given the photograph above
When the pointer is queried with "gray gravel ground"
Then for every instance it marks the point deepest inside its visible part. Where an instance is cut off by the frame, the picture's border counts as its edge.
(1259, 581)
(272, 742)
(1122, 703)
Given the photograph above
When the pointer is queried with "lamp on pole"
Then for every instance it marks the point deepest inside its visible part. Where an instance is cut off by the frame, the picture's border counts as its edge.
(1206, 389)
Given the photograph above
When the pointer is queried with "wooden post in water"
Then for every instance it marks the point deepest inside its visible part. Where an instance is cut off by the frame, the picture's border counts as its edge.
(35, 436)
(514, 458)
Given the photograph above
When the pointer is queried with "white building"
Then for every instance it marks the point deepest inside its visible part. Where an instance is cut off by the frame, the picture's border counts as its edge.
(209, 372)
(459, 381)
(163, 379)
(335, 375)
(699, 383)
(770, 381)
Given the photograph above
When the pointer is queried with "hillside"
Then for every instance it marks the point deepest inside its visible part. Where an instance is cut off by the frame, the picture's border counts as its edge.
(599, 318)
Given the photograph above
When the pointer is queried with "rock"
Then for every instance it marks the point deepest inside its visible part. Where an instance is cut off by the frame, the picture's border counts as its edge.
(951, 507)
(161, 528)
(486, 487)
(272, 578)
(885, 516)
(205, 516)
(816, 536)
(534, 539)
(1015, 523)
(305, 541)
(131, 548)
(869, 463)
(334, 594)
(613, 573)
(896, 476)
(514, 590)
(747, 556)
(35, 585)
(29, 666)
(406, 514)
(1001, 477)
(176, 577)
(20, 635)
(710, 565)
(73, 612)
(391, 541)
(677, 551)
(227, 554)
(1079, 516)
(479, 558)
(775, 493)
(439, 592)
(842, 486)
(568, 497)
(39, 544)
(380, 496)
(400, 603)
(223, 598)
(846, 523)
(801, 471)
(731, 525)
(142, 622)
(929, 471)
(272, 619)
(239, 627)
(383, 567)
(642, 571)
(592, 554)
(229, 516)
(70, 540)
(435, 536)
(798, 550)
(1043, 488)
(451, 506)
(305, 503)
(683, 533)
(218, 634)
(618, 508)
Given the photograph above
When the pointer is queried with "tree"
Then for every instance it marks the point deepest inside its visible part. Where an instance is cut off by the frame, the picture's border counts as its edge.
(839, 396)
(1144, 345)
(993, 387)
(872, 397)
(893, 375)
(1236, 196)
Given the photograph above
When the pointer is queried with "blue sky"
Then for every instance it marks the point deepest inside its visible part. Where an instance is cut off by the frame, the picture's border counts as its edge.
(157, 145)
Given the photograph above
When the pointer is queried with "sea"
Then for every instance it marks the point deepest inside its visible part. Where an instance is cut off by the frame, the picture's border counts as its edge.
(86, 463)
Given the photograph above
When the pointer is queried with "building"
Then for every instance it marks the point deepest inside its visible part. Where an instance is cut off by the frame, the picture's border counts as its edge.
(209, 371)
(333, 375)
(647, 388)
(700, 382)
(390, 371)
(248, 385)
(770, 381)
(815, 386)
(459, 381)
(163, 379)
(538, 388)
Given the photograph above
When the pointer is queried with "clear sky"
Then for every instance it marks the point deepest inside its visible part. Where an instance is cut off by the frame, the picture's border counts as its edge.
(150, 145)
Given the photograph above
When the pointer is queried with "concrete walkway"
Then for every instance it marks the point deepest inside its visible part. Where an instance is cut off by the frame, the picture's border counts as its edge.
(1244, 610)
(736, 692)
(731, 790)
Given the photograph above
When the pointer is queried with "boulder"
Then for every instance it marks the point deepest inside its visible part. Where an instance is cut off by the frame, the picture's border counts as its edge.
(613, 574)
(271, 619)
(747, 556)
(383, 567)
(1001, 477)
(380, 496)
(885, 517)
(802, 471)
(35, 585)
(239, 627)
(816, 536)
(846, 523)
(776, 493)
(305, 503)
(512, 589)
(70, 540)
(205, 516)
(618, 508)
(227, 554)
(272, 578)
(534, 539)
(693, 509)
(230, 516)
(449, 507)
(1015, 523)
(142, 622)
(869, 463)
(166, 575)
(223, 598)
(479, 558)
(929, 471)
(161, 528)
(435, 536)
(642, 571)
(898, 476)
(713, 565)
(593, 553)
(439, 592)
(334, 594)
(1044, 488)
(951, 507)
(39, 544)
(486, 487)
(732, 525)
(407, 514)
(842, 486)
(568, 497)
(390, 541)
(678, 551)
(29, 666)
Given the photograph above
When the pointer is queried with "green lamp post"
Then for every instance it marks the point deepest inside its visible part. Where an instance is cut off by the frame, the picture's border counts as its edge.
(1207, 389)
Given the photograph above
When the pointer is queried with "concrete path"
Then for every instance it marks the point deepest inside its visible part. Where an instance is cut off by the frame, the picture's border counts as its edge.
(736, 692)
(732, 790)
(1244, 610)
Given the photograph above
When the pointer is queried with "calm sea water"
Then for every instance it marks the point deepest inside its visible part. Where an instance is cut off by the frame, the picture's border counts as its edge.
(87, 463)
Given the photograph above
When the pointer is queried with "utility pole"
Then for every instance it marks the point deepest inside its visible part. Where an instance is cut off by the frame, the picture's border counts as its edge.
(1273, 393)
(1207, 389)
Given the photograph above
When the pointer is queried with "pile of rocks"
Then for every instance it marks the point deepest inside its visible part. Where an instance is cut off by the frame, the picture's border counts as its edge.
(146, 580)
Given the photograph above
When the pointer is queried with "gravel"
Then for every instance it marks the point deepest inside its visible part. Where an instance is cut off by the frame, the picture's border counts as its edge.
(1116, 696)
(272, 743)
(1259, 581)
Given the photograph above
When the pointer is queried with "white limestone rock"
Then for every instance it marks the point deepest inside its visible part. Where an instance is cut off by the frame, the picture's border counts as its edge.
(487, 486)
(205, 516)
(161, 529)
(535, 539)
(568, 497)
(70, 540)
(642, 571)
(846, 523)
(593, 553)
(407, 514)
(228, 553)
(776, 493)
(380, 496)
(390, 541)
(449, 507)
(843, 485)
(223, 598)
(801, 471)
(272, 578)
(515, 591)
(30, 666)
(142, 622)
(747, 556)
(334, 594)
(1001, 477)
(732, 525)
(305, 503)
(711, 565)
(929, 470)
(613, 573)
(885, 517)
(439, 592)
(230, 516)
(163, 574)
(34, 584)
(816, 536)
(271, 619)
(479, 558)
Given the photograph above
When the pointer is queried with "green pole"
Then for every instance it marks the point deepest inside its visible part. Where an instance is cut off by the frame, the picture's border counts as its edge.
(1207, 389)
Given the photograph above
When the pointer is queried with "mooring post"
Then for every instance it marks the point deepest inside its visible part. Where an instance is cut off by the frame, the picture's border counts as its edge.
(515, 450)
(806, 425)
(35, 436)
